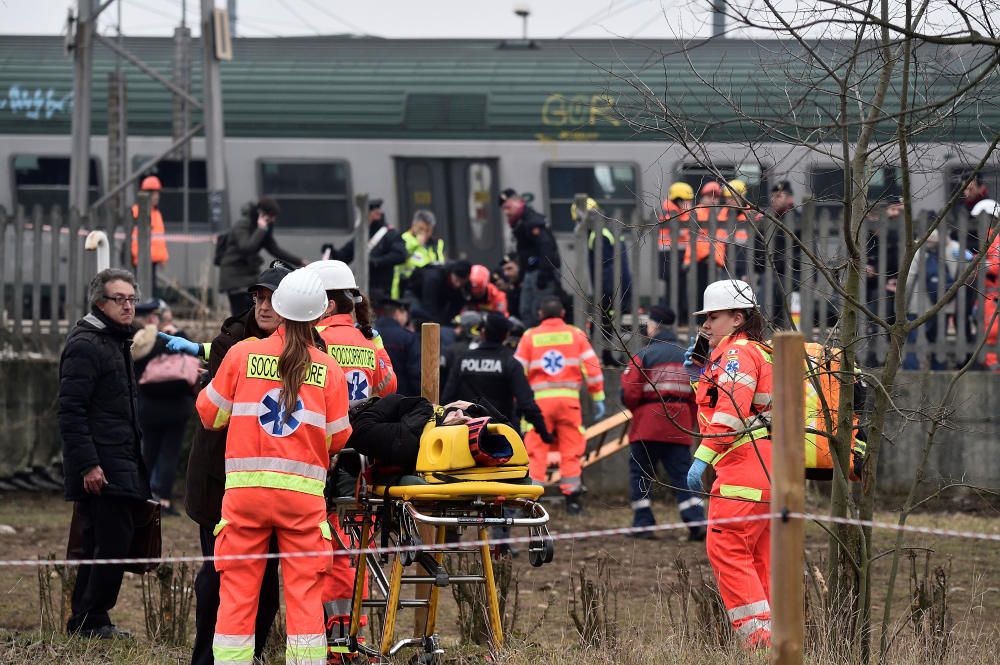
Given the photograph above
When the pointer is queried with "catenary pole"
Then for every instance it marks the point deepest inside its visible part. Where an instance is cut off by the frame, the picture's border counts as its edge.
(215, 162)
(788, 495)
(83, 60)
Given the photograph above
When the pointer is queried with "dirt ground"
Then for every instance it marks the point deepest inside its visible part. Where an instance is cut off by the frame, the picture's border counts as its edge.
(643, 575)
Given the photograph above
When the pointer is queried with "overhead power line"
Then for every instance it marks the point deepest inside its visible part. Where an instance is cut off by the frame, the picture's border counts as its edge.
(323, 10)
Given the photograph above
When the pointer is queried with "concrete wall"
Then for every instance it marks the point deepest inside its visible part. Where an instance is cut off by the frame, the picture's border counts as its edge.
(966, 451)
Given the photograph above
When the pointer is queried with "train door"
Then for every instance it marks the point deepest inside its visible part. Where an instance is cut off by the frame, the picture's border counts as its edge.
(462, 194)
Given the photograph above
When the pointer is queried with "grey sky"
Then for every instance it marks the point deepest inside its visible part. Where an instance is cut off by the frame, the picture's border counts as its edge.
(388, 18)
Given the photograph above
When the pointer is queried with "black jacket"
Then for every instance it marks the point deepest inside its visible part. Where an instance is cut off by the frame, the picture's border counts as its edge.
(98, 409)
(403, 347)
(439, 300)
(241, 261)
(490, 375)
(383, 258)
(536, 246)
(206, 470)
(388, 430)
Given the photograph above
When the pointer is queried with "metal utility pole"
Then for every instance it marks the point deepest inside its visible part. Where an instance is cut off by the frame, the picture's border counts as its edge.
(719, 19)
(83, 59)
(231, 10)
(215, 162)
(117, 143)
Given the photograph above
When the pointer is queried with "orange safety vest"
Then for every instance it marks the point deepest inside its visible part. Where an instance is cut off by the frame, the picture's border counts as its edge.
(734, 397)
(741, 233)
(494, 301)
(558, 360)
(158, 237)
(366, 365)
(703, 243)
(671, 210)
(265, 447)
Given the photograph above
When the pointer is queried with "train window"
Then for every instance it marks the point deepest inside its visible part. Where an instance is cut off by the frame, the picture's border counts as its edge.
(310, 194)
(827, 185)
(171, 175)
(44, 181)
(753, 174)
(613, 186)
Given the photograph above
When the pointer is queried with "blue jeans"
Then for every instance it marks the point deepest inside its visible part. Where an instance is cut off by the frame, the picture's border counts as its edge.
(675, 460)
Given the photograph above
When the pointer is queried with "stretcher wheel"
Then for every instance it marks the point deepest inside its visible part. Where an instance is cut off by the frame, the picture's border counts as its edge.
(540, 552)
(408, 556)
(549, 549)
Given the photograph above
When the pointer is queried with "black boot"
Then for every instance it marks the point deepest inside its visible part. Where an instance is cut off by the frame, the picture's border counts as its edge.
(574, 504)
(696, 534)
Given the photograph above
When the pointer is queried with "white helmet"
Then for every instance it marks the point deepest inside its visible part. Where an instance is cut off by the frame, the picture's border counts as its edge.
(986, 205)
(300, 296)
(335, 275)
(727, 294)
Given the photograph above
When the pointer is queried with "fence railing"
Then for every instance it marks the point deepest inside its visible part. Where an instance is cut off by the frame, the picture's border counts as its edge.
(794, 289)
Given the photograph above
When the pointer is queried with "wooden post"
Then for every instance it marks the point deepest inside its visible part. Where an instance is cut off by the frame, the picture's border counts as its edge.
(430, 389)
(788, 486)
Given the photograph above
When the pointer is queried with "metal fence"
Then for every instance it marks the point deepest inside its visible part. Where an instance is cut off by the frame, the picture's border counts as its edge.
(792, 290)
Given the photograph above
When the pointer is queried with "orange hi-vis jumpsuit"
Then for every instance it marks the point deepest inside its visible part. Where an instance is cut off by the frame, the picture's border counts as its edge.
(703, 243)
(559, 360)
(494, 300)
(992, 293)
(734, 405)
(670, 210)
(276, 466)
(157, 237)
(367, 372)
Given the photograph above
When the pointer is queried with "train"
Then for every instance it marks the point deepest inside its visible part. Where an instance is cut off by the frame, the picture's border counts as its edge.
(438, 124)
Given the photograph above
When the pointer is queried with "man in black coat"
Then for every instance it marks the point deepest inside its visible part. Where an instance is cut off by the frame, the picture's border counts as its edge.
(386, 250)
(102, 445)
(206, 481)
(537, 254)
(490, 375)
(441, 291)
(402, 345)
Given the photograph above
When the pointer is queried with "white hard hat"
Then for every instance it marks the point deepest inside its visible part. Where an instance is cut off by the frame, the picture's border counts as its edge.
(300, 296)
(727, 294)
(986, 205)
(335, 275)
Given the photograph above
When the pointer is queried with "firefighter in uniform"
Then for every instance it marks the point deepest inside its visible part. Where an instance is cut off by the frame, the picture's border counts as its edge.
(679, 201)
(655, 388)
(559, 360)
(158, 254)
(484, 295)
(368, 372)
(734, 414)
(285, 403)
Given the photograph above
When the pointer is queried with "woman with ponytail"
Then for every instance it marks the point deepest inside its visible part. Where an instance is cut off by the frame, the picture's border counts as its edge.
(285, 403)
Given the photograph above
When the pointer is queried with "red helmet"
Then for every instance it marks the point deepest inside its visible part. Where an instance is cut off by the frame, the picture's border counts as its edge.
(711, 188)
(151, 182)
(479, 278)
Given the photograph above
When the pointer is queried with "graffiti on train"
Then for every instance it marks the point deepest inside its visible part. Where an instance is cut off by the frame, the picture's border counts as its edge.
(37, 103)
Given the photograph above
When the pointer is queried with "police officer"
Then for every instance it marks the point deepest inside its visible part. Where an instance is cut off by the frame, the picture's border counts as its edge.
(489, 374)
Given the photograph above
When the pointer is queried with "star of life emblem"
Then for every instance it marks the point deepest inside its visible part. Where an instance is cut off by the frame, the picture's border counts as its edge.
(273, 420)
(553, 362)
(357, 385)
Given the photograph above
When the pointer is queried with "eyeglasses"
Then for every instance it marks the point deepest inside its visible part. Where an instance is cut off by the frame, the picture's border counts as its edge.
(121, 300)
(261, 297)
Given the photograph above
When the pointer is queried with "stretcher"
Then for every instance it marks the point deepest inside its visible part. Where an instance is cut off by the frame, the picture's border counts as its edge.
(448, 492)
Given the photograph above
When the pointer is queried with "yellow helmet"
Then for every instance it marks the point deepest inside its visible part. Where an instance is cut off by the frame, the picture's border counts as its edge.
(735, 187)
(591, 205)
(680, 190)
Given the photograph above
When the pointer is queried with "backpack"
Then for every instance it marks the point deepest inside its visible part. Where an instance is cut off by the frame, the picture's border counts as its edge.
(221, 244)
(822, 399)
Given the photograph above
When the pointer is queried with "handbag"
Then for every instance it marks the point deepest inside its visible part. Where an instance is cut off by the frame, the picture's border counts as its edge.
(171, 367)
(147, 541)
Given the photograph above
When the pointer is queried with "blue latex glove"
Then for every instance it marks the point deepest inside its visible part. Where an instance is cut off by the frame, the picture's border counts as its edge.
(695, 473)
(693, 370)
(600, 410)
(180, 345)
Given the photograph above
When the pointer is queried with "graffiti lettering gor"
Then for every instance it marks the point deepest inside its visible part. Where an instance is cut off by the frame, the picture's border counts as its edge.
(36, 105)
(578, 110)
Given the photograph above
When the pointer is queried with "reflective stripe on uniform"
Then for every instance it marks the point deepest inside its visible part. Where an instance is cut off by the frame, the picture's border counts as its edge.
(667, 387)
(588, 354)
(693, 502)
(570, 483)
(275, 464)
(337, 607)
(762, 399)
(752, 626)
(544, 394)
(385, 382)
(275, 480)
(741, 492)
(592, 380)
(744, 611)
(306, 649)
(232, 649)
(218, 400)
(721, 418)
(540, 364)
(548, 385)
(641, 503)
(256, 409)
(705, 454)
(338, 425)
(740, 378)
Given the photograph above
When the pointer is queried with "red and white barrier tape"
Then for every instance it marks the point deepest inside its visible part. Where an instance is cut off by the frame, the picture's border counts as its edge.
(575, 535)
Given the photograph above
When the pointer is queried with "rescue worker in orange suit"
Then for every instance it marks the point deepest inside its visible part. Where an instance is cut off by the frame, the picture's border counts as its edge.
(702, 250)
(368, 372)
(285, 403)
(734, 414)
(158, 254)
(484, 295)
(991, 283)
(656, 389)
(677, 205)
(734, 214)
(559, 361)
